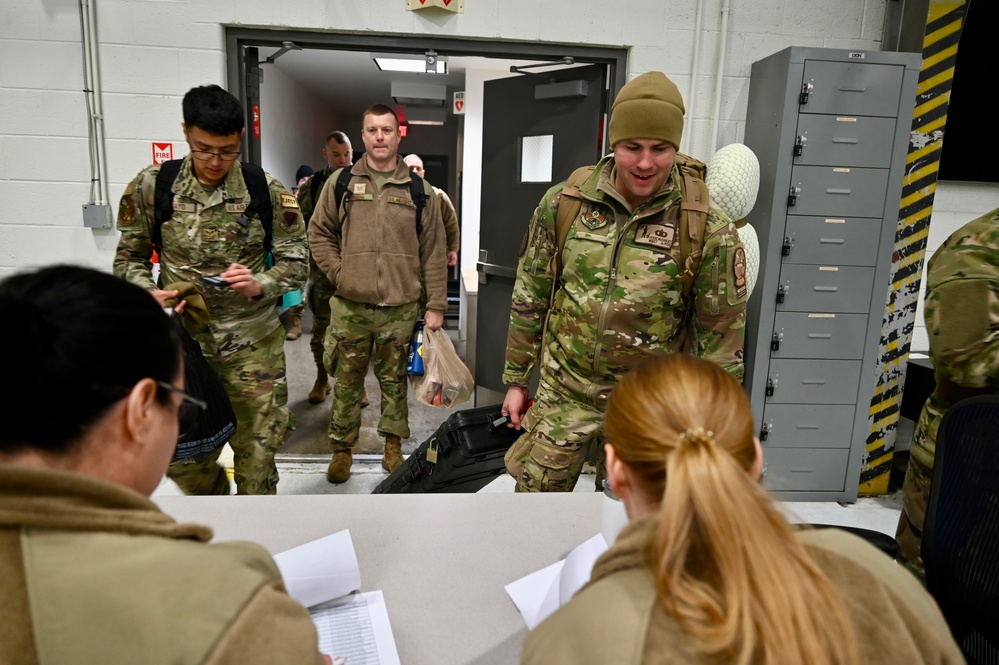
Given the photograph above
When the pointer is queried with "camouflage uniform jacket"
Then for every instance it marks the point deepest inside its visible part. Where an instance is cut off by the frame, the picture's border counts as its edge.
(618, 300)
(375, 255)
(203, 238)
(962, 320)
(305, 199)
(308, 205)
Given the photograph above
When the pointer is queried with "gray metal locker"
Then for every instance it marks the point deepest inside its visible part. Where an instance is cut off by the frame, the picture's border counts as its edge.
(830, 128)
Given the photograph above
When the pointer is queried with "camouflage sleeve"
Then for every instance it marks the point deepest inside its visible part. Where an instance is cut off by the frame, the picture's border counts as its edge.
(531, 293)
(962, 314)
(291, 255)
(305, 201)
(133, 256)
(324, 230)
(433, 255)
(450, 218)
(717, 326)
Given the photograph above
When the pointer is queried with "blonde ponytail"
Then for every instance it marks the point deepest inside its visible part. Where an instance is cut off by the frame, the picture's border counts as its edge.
(726, 562)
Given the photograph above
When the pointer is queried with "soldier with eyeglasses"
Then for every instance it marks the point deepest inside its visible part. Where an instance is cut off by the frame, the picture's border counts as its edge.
(214, 233)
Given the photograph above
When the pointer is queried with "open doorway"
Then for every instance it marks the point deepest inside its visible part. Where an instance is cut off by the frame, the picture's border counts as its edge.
(299, 86)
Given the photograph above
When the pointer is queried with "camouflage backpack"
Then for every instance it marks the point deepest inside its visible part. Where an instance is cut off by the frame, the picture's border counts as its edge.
(693, 217)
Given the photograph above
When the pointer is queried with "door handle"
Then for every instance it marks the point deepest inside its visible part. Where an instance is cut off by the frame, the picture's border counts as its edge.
(496, 270)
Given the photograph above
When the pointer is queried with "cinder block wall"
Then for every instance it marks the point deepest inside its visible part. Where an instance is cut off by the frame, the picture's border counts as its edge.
(152, 51)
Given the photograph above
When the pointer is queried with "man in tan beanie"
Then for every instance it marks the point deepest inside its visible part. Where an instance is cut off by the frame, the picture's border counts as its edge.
(640, 264)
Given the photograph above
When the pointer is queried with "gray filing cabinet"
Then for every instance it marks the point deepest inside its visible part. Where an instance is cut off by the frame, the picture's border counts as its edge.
(830, 128)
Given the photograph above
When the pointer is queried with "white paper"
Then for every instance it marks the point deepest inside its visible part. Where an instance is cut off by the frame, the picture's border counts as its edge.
(539, 594)
(321, 570)
(357, 629)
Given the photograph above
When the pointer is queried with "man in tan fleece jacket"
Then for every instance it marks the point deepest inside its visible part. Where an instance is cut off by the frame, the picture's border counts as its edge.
(381, 259)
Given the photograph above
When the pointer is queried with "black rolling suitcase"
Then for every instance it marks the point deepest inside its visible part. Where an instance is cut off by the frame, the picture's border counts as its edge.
(463, 455)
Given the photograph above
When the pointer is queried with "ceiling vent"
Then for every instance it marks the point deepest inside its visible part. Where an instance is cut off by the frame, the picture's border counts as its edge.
(419, 94)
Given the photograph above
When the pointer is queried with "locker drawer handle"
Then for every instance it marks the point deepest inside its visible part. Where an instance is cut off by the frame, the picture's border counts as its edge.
(832, 241)
(803, 469)
(831, 289)
(820, 336)
(845, 89)
(851, 141)
(807, 427)
(838, 191)
(813, 382)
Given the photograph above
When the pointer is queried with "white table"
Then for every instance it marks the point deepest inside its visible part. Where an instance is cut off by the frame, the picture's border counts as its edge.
(441, 560)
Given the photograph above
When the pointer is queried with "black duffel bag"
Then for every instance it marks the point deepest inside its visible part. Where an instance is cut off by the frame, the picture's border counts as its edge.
(216, 424)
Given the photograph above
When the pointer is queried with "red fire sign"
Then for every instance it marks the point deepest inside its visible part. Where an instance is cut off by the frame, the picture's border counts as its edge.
(162, 152)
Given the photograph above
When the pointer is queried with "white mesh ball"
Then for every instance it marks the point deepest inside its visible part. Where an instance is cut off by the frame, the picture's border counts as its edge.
(733, 179)
(747, 234)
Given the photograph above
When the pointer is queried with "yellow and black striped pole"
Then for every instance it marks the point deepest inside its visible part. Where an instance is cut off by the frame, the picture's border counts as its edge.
(944, 21)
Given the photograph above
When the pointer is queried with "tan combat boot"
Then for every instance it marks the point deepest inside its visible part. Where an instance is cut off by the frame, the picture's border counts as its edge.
(339, 468)
(364, 397)
(393, 453)
(296, 327)
(322, 387)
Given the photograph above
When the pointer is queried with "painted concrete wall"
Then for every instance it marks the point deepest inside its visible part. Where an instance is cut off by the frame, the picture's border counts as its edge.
(292, 134)
(151, 52)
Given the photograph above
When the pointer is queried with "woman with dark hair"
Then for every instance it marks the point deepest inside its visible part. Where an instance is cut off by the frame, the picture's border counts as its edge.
(90, 570)
(708, 570)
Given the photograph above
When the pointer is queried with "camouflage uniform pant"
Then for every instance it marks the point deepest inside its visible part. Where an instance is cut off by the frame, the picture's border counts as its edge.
(355, 329)
(915, 498)
(254, 379)
(318, 296)
(561, 434)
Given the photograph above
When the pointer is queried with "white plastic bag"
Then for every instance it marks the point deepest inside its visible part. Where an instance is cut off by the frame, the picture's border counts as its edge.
(445, 381)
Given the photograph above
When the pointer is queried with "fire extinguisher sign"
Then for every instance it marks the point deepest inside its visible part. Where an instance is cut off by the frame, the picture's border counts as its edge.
(162, 152)
(256, 121)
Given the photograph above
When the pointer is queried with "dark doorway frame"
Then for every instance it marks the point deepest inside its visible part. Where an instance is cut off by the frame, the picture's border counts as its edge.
(239, 39)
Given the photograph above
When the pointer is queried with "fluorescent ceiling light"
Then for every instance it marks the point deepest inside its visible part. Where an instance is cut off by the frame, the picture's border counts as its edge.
(409, 65)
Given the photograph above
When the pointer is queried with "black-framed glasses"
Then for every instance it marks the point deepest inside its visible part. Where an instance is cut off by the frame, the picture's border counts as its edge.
(190, 408)
(206, 155)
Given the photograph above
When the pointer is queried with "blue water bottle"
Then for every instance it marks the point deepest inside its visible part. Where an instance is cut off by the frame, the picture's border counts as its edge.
(415, 364)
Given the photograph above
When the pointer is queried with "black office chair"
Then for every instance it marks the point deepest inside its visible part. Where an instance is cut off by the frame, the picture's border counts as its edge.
(960, 544)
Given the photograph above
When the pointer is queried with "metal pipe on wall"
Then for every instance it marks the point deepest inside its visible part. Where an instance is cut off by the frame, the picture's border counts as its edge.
(719, 76)
(694, 61)
(92, 90)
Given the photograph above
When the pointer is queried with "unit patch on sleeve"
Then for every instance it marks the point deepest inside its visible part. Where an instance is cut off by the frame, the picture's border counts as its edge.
(655, 235)
(739, 269)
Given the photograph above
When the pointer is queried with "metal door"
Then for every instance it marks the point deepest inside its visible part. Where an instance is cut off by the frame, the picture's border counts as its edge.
(520, 114)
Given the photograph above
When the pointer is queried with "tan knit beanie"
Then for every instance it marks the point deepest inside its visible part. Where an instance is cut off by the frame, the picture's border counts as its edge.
(648, 107)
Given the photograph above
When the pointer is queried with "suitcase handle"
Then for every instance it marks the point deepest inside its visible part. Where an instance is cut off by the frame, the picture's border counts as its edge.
(499, 422)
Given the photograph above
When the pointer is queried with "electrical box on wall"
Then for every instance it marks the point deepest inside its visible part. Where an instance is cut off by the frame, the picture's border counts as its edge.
(97, 216)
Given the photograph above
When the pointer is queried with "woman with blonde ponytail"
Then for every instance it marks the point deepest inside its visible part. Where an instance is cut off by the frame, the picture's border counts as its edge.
(708, 571)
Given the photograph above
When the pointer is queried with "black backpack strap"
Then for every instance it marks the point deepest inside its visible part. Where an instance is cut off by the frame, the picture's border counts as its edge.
(163, 199)
(340, 188)
(317, 182)
(418, 193)
(260, 200)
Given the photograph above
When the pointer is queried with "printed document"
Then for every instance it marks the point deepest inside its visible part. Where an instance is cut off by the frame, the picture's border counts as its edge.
(324, 576)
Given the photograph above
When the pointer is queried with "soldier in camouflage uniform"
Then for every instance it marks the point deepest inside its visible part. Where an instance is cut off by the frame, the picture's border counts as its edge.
(381, 260)
(962, 321)
(618, 300)
(244, 340)
(338, 154)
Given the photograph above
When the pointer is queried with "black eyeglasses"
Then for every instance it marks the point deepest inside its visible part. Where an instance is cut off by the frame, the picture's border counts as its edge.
(189, 411)
(206, 155)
